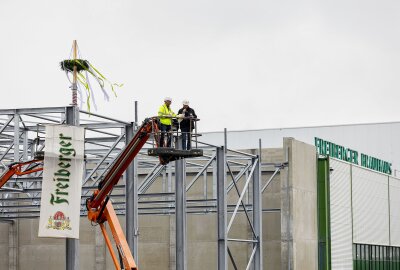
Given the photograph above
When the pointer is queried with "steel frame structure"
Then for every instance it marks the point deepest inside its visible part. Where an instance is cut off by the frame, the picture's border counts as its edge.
(234, 174)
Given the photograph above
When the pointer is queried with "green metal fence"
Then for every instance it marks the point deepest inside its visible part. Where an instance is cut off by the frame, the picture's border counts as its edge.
(373, 257)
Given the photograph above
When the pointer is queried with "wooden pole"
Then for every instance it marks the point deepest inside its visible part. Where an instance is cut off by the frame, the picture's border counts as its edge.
(74, 81)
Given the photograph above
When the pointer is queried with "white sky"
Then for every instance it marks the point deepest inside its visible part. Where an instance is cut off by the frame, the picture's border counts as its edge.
(242, 64)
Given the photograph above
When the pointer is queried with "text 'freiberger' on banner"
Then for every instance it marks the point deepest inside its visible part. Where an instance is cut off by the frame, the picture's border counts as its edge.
(62, 181)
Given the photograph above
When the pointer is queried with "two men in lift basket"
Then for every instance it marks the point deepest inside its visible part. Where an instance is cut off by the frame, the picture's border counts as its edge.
(185, 122)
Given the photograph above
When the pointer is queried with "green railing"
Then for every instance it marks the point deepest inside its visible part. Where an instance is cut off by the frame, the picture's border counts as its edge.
(374, 257)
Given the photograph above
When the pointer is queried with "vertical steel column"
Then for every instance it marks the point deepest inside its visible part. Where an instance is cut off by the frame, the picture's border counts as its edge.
(257, 214)
(180, 214)
(72, 245)
(222, 209)
(16, 137)
(13, 234)
(131, 198)
(72, 116)
(25, 147)
(214, 178)
(136, 114)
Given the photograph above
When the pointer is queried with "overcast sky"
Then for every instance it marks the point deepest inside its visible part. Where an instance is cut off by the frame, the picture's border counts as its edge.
(242, 64)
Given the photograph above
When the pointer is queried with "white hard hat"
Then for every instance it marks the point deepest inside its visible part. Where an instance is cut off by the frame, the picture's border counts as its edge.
(168, 99)
(185, 102)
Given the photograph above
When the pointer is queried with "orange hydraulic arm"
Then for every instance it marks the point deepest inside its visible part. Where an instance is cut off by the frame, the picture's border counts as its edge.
(17, 169)
(99, 207)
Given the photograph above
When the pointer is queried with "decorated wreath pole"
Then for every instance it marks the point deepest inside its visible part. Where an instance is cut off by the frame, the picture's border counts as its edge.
(74, 80)
(80, 70)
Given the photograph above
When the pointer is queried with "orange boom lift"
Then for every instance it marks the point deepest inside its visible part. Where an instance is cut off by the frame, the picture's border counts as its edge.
(18, 169)
(100, 209)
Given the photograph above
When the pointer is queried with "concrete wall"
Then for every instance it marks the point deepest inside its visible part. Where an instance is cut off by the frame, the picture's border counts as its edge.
(35, 252)
(271, 199)
(4, 227)
(299, 208)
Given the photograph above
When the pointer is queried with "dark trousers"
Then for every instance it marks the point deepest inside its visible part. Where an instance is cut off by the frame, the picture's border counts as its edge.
(165, 130)
(186, 138)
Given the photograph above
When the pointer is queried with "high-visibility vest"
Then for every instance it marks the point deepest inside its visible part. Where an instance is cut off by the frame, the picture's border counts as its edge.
(165, 111)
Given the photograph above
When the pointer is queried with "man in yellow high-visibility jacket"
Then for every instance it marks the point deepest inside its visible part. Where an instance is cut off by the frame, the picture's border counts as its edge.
(165, 115)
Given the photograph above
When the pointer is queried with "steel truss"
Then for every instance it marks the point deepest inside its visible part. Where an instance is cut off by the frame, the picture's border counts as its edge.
(235, 175)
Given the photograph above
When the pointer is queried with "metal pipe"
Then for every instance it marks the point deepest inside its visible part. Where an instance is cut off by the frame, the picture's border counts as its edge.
(242, 240)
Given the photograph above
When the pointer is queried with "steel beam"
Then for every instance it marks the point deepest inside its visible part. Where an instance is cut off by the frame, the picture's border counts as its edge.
(16, 138)
(131, 195)
(72, 245)
(33, 110)
(180, 214)
(257, 215)
(104, 117)
(6, 124)
(13, 253)
(103, 125)
(222, 209)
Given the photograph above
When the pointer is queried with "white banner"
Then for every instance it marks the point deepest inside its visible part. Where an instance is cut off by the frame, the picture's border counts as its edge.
(62, 182)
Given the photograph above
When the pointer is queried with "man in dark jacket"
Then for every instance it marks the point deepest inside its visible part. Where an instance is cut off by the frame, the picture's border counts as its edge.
(187, 124)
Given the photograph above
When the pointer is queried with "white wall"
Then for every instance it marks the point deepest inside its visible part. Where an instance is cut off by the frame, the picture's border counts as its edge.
(364, 208)
(379, 140)
(370, 193)
(340, 210)
(394, 196)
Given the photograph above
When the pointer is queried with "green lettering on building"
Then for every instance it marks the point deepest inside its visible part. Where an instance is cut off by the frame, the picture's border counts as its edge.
(326, 148)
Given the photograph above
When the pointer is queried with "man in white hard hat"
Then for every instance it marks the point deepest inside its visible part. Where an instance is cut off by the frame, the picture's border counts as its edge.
(187, 124)
(165, 115)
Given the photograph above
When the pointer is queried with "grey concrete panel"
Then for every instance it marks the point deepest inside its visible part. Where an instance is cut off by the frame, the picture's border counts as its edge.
(87, 233)
(3, 256)
(154, 256)
(154, 229)
(202, 241)
(299, 248)
(38, 257)
(202, 255)
(271, 198)
(304, 213)
(4, 227)
(271, 227)
(202, 228)
(241, 252)
(272, 155)
(87, 255)
(272, 254)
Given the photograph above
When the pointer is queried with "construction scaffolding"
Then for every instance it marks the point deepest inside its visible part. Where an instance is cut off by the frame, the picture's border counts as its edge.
(232, 172)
